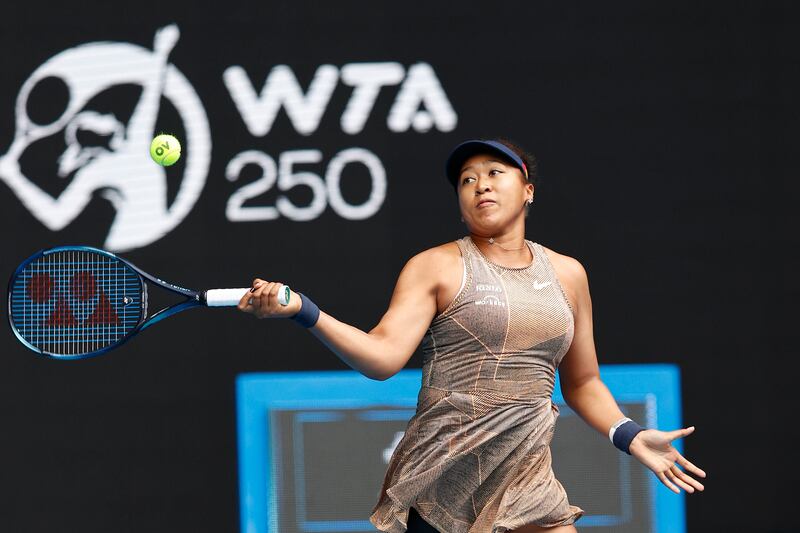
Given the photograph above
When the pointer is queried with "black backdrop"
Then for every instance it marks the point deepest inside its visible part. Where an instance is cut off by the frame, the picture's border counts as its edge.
(665, 138)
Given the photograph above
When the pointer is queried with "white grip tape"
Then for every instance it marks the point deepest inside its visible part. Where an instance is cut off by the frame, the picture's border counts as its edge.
(224, 297)
(231, 297)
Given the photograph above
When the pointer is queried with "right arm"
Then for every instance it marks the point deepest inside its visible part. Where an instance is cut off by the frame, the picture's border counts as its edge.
(386, 348)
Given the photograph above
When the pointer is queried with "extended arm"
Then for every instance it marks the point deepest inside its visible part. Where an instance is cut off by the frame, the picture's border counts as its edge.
(384, 350)
(579, 372)
(590, 398)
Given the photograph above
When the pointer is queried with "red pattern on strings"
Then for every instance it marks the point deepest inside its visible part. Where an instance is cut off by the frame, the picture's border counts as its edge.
(62, 315)
(83, 286)
(40, 288)
(104, 313)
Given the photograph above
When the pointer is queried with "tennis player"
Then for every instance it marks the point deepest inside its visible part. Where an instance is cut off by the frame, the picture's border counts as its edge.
(496, 315)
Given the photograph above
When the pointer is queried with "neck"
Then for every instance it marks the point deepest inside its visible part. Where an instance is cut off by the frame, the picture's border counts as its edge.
(507, 250)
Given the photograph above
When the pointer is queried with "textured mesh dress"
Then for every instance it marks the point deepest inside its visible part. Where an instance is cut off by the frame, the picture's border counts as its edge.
(476, 455)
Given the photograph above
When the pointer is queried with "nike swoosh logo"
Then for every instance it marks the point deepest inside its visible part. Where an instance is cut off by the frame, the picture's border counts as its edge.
(537, 285)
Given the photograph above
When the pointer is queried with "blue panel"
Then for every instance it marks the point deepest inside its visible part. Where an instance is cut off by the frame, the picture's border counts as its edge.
(657, 386)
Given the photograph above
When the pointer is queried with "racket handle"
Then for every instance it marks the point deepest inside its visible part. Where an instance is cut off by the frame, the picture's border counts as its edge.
(231, 297)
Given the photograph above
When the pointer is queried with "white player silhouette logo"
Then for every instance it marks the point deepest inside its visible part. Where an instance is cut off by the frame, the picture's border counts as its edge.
(122, 170)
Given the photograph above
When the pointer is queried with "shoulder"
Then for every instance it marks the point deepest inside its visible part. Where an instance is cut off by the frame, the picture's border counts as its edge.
(437, 259)
(431, 270)
(569, 269)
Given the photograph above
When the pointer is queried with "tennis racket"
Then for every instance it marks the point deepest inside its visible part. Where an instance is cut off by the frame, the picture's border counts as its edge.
(74, 302)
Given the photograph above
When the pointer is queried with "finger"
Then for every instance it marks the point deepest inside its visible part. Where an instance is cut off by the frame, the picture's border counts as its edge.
(667, 482)
(259, 290)
(264, 300)
(266, 297)
(245, 303)
(686, 478)
(254, 300)
(680, 433)
(678, 481)
(273, 292)
(688, 465)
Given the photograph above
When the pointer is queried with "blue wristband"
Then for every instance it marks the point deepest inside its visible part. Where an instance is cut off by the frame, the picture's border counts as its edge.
(309, 312)
(624, 434)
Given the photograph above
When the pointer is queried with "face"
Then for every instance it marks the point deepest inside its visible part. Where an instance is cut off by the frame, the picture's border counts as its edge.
(492, 194)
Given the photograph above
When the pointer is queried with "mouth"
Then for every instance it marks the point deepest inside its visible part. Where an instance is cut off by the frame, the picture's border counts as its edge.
(485, 203)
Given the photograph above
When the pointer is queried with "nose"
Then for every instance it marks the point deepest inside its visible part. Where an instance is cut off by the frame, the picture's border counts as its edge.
(482, 185)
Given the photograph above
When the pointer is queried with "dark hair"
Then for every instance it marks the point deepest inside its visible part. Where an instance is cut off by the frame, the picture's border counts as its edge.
(528, 158)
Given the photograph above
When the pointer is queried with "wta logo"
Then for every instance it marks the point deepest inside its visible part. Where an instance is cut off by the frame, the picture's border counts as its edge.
(105, 155)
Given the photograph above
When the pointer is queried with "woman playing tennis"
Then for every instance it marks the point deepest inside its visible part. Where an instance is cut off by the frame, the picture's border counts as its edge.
(496, 315)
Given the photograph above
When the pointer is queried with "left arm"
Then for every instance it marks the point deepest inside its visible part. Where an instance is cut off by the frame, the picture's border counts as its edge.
(588, 396)
(583, 390)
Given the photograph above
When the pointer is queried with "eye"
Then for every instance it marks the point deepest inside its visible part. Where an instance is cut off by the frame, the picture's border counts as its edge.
(466, 179)
(495, 171)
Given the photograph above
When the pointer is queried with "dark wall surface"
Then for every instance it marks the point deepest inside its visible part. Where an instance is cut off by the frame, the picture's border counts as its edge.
(665, 136)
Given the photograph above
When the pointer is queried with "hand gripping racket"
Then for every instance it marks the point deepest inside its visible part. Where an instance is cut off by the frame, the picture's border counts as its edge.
(73, 302)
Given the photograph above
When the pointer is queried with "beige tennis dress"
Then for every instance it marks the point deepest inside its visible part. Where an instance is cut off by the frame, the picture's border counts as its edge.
(476, 455)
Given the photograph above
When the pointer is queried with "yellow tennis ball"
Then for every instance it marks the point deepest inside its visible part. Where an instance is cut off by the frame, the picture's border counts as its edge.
(165, 150)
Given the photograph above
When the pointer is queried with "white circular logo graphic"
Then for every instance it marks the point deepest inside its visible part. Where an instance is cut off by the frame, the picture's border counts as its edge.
(121, 170)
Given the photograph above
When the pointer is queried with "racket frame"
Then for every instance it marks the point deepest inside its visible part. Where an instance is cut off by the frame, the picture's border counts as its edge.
(194, 299)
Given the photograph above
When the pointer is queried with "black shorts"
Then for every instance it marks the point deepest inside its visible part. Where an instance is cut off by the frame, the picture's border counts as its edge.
(417, 525)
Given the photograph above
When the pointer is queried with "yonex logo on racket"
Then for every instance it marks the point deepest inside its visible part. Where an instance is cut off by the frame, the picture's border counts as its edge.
(117, 164)
(72, 302)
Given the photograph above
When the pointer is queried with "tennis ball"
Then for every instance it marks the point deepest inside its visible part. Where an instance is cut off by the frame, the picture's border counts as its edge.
(165, 150)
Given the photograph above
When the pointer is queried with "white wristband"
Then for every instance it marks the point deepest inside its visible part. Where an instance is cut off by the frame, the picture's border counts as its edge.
(614, 427)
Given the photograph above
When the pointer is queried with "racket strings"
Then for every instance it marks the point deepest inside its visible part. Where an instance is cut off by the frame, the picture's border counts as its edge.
(72, 302)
